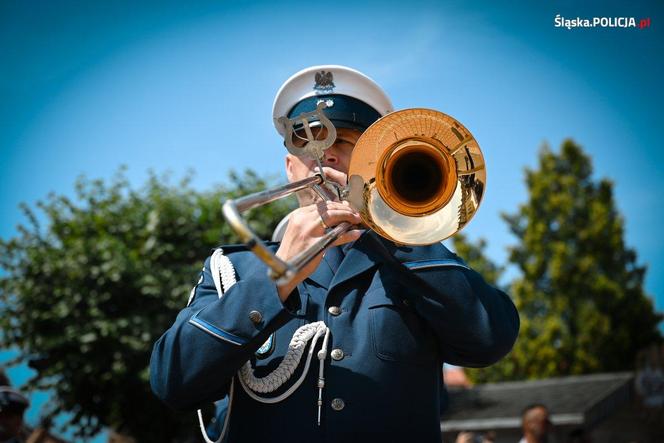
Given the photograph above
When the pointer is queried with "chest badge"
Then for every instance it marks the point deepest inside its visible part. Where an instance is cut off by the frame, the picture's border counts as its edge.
(266, 349)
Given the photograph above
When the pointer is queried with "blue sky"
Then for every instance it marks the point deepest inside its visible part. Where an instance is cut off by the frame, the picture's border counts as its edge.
(88, 86)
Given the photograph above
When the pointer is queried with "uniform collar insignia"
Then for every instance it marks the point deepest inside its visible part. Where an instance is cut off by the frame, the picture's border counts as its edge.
(266, 349)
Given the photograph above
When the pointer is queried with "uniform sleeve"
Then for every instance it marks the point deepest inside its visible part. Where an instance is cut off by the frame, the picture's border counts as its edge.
(194, 361)
(475, 324)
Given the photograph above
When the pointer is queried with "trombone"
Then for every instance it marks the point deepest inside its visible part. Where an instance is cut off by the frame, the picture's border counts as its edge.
(416, 177)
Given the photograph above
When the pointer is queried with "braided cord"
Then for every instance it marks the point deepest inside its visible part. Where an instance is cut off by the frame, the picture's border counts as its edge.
(223, 275)
(286, 368)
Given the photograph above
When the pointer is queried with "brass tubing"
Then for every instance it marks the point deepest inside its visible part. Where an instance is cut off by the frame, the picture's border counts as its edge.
(269, 195)
(280, 270)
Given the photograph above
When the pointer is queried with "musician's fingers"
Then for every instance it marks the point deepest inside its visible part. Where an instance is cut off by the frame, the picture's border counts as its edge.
(348, 237)
(333, 217)
(332, 213)
(335, 176)
(324, 206)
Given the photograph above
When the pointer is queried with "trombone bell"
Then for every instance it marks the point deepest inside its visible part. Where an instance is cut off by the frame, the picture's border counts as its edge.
(416, 176)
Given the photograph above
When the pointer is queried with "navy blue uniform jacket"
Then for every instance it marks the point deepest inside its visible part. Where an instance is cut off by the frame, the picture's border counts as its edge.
(403, 312)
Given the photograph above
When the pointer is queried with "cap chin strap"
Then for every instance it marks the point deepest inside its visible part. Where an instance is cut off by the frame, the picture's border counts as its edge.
(224, 278)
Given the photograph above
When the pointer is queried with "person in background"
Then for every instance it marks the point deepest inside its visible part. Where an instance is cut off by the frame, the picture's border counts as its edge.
(475, 437)
(535, 424)
(12, 406)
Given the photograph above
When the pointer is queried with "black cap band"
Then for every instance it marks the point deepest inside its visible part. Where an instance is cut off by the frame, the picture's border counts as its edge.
(344, 111)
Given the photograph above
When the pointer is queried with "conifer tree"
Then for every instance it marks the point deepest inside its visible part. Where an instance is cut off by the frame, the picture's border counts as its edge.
(473, 253)
(580, 295)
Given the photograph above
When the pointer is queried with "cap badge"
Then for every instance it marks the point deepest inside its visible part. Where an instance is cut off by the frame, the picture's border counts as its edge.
(324, 81)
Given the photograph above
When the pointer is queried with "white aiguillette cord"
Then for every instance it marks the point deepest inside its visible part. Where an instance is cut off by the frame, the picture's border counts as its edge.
(223, 275)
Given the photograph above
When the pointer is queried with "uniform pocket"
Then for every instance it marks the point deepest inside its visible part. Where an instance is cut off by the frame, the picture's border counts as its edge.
(398, 334)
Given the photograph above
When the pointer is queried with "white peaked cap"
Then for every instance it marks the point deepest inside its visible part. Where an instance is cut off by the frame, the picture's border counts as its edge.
(325, 80)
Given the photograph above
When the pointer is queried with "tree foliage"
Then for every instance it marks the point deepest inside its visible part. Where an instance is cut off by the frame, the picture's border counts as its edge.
(473, 254)
(580, 295)
(84, 296)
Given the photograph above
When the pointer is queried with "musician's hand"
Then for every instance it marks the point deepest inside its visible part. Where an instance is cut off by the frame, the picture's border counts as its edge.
(305, 227)
(335, 176)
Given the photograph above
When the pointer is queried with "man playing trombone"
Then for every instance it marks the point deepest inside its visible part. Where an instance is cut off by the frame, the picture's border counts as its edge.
(348, 347)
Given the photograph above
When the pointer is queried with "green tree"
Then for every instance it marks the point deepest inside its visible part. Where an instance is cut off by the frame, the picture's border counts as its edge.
(580, 294)
(84, 297)
(473, 254)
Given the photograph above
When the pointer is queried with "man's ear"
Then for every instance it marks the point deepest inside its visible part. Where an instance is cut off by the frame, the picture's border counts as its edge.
(289, 167)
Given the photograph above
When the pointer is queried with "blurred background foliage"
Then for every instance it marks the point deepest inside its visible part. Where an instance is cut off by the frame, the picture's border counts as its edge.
(580, 290)
(91, 282)
(86, 293)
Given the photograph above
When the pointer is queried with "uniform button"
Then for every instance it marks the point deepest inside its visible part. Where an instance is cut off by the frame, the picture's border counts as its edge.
(337, 354)
(334, 310)
(256, 317)
(338, 404)
(406, 302)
